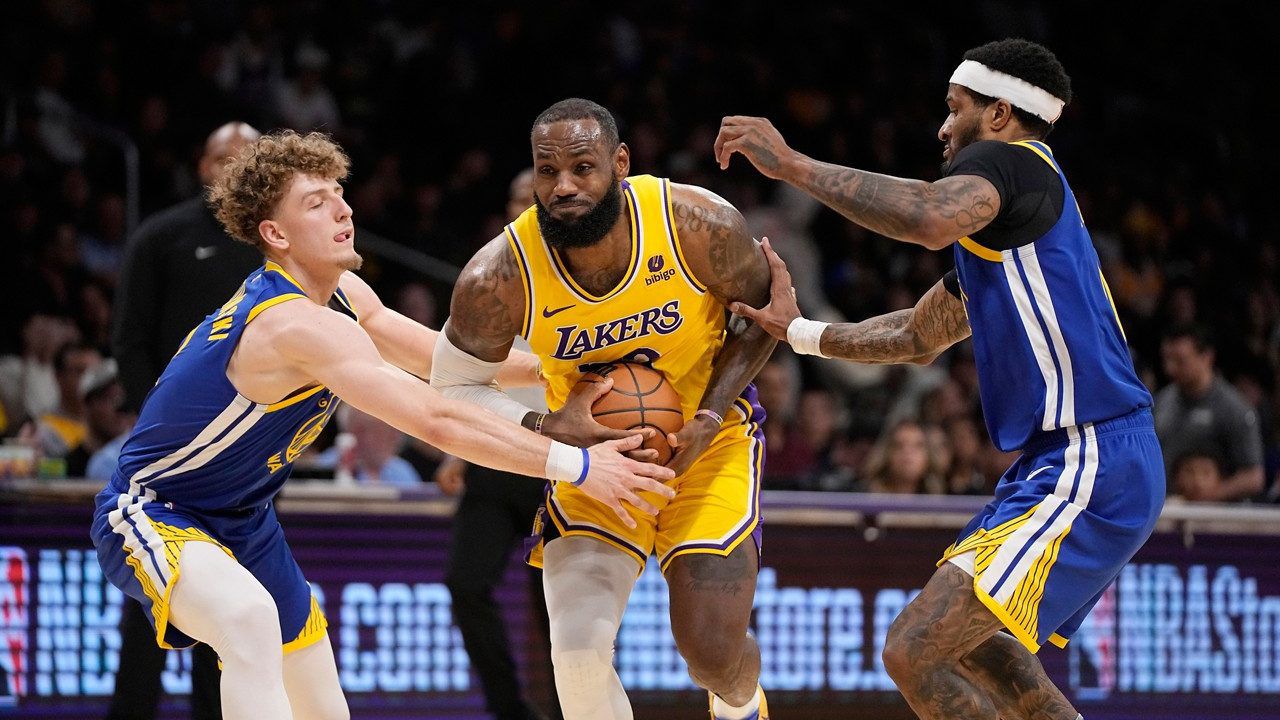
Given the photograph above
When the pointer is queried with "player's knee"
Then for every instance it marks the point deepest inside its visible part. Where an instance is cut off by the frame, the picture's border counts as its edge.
(251, 628)
(897, 652)
(713, 655)
(582, 671)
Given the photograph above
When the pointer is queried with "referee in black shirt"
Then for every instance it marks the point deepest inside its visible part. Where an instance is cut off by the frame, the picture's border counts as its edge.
(179, 267)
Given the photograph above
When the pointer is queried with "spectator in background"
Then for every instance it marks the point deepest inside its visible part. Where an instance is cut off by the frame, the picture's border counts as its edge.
(305, 103)
(778, 385)
(106, 425)
(820, 420)
(903, 462)
(965, 474)
(1202, 411)
(61, 431)
(179, 266)
(372, 455)
(28, 388)
(1197, 476)
(95, 314)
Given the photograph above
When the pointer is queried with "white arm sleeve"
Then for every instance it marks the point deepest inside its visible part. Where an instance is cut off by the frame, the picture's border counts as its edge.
(461, 376)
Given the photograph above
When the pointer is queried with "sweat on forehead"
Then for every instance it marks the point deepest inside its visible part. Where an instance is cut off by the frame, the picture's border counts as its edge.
(567, 134)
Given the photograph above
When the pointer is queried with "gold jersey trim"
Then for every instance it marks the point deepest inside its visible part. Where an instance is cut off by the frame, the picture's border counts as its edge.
(637, 243)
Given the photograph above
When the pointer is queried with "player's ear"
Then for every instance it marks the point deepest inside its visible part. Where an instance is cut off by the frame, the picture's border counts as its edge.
(1001, 113)
(272, 236)
(622, 160)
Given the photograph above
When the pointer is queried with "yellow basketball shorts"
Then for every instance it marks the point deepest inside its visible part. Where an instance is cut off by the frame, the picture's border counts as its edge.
(716, 507)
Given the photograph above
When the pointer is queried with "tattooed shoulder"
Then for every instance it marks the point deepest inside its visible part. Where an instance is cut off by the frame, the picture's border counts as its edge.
(487, 307)
(718, 246)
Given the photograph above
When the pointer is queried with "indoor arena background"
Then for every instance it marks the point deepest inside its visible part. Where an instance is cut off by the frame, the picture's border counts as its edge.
(104, 108)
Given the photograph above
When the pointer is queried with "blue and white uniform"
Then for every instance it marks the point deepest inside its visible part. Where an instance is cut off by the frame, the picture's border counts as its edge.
(1056, 382)
(203, 463)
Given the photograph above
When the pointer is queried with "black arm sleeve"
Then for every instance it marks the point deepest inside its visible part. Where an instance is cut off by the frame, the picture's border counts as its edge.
(951, 283)
(1031, 193)
(137, 315)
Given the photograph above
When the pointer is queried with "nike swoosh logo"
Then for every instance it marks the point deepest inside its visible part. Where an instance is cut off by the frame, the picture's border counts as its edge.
(1038, 471)
(546, 313)
(205, 252)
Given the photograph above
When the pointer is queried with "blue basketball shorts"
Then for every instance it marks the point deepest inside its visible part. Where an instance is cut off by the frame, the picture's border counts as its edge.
(140, 541)
(1067, 516)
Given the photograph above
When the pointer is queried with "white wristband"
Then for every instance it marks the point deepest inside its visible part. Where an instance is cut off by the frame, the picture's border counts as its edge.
(805, 336)
(564, 463)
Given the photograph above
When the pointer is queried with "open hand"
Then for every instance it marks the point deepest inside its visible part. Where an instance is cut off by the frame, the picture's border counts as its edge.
(756, 139)
(614, 478)
(775, 317)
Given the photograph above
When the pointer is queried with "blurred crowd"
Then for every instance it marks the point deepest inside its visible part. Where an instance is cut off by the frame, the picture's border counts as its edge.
(434, 102)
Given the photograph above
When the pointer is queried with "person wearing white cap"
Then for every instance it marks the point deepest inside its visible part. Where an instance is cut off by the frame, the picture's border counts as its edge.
(1054, 371)
(107, 423)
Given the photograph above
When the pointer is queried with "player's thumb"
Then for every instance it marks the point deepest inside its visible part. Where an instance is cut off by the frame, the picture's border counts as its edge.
(600, 388)
(673, 439)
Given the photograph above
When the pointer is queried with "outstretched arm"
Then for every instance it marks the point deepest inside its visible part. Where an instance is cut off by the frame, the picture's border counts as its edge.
(932, 214)
(409, 345)
(917, 335)
(336, 353)
(722, 256)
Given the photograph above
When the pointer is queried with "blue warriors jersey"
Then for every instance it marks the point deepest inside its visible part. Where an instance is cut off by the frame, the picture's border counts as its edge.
(202, 445)
(1048, 344)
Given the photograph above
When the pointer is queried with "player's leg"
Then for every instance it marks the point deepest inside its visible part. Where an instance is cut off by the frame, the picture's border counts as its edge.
(482, 536)
(1015, 680)
(311, 682)
(711, 599)
(217, 601)
(708, 541)
(587, 584)
(206, 679)
(928, 640)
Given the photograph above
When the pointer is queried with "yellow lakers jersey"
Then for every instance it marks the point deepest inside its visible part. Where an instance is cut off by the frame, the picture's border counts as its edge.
(659, 313)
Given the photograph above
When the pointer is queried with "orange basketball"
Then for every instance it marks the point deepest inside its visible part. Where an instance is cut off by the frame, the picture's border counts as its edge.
(641, 397)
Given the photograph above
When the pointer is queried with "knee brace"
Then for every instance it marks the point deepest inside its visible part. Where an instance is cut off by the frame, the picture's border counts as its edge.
(579, 672)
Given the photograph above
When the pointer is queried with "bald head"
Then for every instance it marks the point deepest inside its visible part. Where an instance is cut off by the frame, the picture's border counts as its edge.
(222, 144)
(520, 196)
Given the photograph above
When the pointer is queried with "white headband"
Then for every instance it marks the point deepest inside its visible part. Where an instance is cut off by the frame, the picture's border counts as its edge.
(1020, 93)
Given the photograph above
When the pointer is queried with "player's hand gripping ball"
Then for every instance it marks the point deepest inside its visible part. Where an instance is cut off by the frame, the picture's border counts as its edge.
(641, 398)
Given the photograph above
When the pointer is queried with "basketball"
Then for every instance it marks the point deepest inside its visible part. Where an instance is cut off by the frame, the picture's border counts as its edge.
(641, 397)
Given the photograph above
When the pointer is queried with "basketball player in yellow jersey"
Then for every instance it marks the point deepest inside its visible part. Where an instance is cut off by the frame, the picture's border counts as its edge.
(608, 267)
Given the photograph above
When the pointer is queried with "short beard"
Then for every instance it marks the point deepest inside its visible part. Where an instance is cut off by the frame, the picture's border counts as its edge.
(586, 230)
(353, 263)
(964, 138)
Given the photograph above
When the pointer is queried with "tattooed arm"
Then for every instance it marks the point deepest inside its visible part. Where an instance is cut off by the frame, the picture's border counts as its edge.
(918, 335)
(485, 315)
(723, 256)
(932, 214)
(487, 308)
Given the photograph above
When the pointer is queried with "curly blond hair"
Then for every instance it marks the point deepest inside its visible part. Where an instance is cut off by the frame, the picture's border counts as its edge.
(257, 178)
